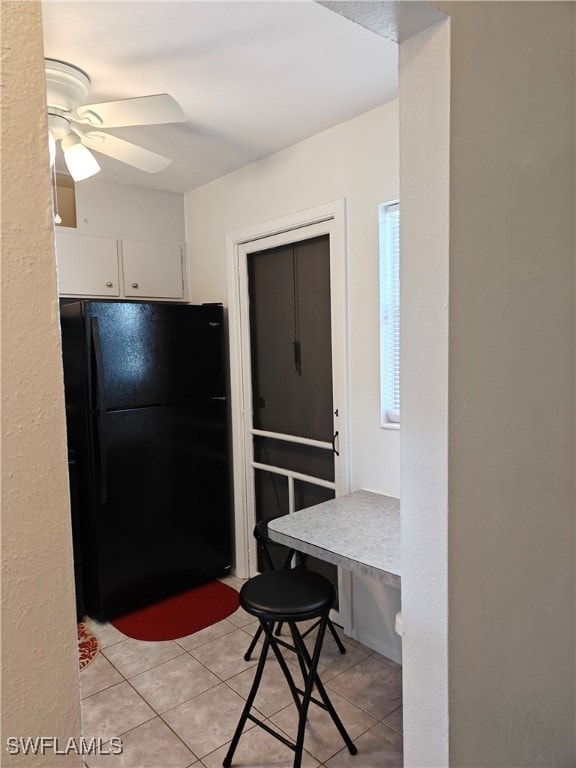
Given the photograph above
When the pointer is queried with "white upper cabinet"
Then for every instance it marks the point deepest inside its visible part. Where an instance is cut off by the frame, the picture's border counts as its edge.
(87, 265)
(152, 269)
(90, 265)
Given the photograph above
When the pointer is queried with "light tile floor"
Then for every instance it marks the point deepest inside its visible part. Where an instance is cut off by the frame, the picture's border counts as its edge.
(176, 704)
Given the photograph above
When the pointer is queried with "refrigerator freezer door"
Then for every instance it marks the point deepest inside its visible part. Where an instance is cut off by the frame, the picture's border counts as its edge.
(149, 354)
(165, 524)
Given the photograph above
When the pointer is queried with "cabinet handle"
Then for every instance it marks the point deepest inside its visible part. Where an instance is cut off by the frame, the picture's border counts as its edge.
(134, 285)
(109, 284)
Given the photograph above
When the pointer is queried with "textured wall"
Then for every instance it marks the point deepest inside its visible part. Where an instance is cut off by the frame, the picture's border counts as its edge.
(40, 695)
(512, 341)
(507, 623)
(424, 281)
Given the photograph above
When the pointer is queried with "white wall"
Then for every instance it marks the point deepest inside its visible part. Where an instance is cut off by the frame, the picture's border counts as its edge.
(512, 502)
(488, 491)
(356, 160)
(40, 686)
(489, 591)
(125, 210)
(424, 233)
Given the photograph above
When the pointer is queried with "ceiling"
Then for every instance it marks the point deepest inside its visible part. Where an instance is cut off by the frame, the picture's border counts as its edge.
(252, 77)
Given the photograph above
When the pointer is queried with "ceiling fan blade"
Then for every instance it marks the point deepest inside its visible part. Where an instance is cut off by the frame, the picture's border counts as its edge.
(125, 151)
(143, 110)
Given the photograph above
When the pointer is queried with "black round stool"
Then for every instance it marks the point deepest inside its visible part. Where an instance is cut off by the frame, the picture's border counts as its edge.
(289, 596)
(264, 542)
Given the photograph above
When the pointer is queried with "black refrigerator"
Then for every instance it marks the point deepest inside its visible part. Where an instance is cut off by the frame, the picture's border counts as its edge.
(147, 419)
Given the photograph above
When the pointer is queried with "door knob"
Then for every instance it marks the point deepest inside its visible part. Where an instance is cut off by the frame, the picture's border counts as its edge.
(109, 284)
(134, 285)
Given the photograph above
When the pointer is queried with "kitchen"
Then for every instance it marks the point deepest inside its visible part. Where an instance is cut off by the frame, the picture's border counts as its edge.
(325, 167)
(487, 702)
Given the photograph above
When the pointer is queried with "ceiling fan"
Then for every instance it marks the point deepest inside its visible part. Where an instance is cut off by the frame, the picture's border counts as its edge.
(68, 118)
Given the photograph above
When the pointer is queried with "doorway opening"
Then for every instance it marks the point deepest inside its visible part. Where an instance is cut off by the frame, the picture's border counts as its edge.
(287, 321)
(294, 438)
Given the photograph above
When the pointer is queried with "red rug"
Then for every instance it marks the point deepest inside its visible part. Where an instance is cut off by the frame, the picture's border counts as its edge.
(180, 615)
(88, 646)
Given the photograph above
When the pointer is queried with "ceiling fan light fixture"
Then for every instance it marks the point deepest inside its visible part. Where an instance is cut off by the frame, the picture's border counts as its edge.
(58, 125)
(79, 160)
(51, 148)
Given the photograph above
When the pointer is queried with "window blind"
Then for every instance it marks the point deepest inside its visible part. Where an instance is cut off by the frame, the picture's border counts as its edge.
(389, 227)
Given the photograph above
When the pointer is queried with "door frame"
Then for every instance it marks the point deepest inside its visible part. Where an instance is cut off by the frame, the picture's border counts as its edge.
(329, 219)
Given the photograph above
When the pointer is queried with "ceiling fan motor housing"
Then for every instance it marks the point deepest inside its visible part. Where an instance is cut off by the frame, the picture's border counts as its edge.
(66, 85)
(66, 88)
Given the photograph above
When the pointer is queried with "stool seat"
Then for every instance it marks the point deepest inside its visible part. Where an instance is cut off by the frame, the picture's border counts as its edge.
(295, 561)
(265, 543)
(288, 595)
(261, 531)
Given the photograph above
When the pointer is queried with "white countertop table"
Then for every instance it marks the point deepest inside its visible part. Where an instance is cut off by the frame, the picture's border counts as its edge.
(359, 531)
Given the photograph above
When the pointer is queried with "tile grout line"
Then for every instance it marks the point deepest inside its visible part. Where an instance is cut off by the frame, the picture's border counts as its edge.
(368, 653)
(156, 713)
(158, 664)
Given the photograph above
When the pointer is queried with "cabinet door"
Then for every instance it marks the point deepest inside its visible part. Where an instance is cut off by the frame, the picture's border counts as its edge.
(152, 270)
(87, 265)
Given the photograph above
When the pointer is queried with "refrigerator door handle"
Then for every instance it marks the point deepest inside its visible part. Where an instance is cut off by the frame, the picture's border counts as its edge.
(103, 458)
(99, 375)
(98, 363)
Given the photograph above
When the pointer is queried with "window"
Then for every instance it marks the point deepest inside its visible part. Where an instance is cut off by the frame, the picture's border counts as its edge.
(389, 228)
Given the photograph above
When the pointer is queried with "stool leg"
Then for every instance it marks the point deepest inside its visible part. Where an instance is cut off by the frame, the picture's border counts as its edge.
(227, 762)
(332, 629)
(313, 678)
(309, 681)
(253, 644)
(283, 667)
(288, 560)
(304, 565)
(267, 557)
(256, 637)
(301, 662)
